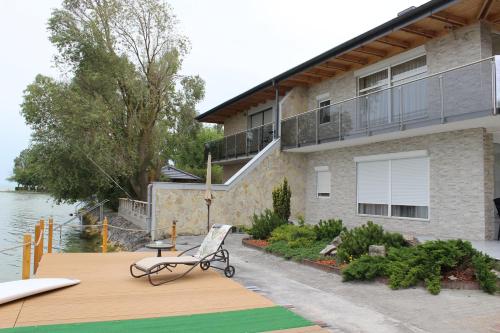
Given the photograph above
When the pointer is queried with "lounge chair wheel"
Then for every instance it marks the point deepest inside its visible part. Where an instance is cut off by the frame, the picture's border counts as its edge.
(229, 271)
(205, 265)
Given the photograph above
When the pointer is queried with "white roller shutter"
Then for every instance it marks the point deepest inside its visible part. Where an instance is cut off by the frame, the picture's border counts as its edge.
(323, 182)
(373, 182)
(410, 182)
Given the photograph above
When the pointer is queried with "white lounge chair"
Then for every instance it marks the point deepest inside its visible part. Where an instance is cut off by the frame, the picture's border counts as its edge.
(210, 250)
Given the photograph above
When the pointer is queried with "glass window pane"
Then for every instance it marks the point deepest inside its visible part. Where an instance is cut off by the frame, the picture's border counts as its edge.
(409, 68)
(373, 209)
(268, 116)
(419, 212)
(373, 80)
(256, 120)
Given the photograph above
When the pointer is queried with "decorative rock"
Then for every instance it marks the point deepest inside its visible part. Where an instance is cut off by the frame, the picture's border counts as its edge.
(411, 240)
(376, 250)
(336, 241)
(328, 249)
(452, 278)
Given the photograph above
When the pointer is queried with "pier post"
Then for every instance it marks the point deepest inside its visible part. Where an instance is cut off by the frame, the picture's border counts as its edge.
(26, 256)
(36, 248)
(50, 236)
(42, 234)
(174, 234)
(105, 235)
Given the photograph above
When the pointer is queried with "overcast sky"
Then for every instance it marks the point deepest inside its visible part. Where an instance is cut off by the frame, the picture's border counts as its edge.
(235, 45)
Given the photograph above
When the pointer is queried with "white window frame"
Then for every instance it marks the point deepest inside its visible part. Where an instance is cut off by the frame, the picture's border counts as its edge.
(317, 170)
(389, 157)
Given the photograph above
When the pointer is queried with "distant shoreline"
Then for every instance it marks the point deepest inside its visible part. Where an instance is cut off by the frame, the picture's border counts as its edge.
(23, 192)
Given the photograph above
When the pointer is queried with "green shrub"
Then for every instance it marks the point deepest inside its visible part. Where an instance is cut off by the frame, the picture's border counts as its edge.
(365, 268)
(355, 242)
(310, 252)
(482, 266)
(329, 229)
(294, 235)
(427, 262)
(281, 200)
(264, 224)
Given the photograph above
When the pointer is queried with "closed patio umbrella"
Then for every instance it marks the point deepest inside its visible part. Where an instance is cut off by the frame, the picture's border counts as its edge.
(208, 191)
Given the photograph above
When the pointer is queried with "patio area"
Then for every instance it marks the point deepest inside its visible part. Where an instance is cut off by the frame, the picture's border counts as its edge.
(107, 293)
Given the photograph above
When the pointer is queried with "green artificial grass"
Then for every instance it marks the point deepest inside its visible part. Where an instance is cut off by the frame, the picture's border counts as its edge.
(253, 320)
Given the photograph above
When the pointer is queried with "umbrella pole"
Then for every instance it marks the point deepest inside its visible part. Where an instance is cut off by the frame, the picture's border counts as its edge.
(208, 215)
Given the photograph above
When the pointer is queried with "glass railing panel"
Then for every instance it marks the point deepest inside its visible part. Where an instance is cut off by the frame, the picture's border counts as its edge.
(329, 120)
(267, 134)
(253, 140)
(289, 133)
(241, 144)
(467, 90)
(230, 146)
(307, 128)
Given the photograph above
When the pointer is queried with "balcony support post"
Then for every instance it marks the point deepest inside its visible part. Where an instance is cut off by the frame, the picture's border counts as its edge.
(494, 85)
(317, 126)
(340, 122)
(297, 131)
(276, 132)
(401, 120)
(441, 91)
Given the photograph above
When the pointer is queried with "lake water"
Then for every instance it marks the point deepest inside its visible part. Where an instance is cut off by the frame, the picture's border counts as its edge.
(19, 213)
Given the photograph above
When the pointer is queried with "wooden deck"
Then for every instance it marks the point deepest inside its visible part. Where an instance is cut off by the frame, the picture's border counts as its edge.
(108, 292)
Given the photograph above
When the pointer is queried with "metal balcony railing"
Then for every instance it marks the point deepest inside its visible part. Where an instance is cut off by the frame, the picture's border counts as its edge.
(242, 144)
(464, 92)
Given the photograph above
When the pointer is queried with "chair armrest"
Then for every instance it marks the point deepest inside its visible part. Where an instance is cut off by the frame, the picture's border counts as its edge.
(180, 254)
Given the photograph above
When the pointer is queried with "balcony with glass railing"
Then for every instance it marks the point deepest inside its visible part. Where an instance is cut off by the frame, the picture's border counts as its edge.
(242, 145)
(461, 93)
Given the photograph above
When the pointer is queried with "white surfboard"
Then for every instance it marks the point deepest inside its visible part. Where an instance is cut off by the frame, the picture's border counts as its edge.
(12, 290)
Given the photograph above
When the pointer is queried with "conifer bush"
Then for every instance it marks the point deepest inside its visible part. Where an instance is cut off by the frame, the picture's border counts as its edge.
(281, 200)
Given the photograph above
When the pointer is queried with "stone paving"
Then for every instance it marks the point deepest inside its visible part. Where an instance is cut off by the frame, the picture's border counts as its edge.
(358, 307)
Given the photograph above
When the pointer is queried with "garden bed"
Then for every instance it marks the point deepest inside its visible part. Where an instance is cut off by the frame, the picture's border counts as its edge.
(465, 280)
(324, 265)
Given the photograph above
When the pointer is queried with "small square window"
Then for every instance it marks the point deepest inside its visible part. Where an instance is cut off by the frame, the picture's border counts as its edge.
(324, 112)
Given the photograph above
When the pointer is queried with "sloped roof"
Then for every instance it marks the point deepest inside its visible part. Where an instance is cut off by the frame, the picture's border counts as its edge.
(178, 174)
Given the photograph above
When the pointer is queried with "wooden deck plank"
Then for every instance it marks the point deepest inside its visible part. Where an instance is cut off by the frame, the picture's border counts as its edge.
(108, 292)
(9, 313)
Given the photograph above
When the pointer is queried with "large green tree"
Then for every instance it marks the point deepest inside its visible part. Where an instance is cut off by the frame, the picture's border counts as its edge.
(119, 103)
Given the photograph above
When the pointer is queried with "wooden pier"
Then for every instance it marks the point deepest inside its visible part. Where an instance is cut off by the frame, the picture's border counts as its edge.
(108, 292)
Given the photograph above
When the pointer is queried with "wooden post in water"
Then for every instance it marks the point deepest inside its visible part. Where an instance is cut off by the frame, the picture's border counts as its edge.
(174, 234)
(105, 235)
(26, 256)
(50, 236)
(36, 248)
(42, 234)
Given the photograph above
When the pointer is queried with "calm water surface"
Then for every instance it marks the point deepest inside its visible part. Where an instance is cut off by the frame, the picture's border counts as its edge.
(18, 214)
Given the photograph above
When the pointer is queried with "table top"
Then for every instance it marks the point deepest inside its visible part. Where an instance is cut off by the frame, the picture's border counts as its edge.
(159, 245)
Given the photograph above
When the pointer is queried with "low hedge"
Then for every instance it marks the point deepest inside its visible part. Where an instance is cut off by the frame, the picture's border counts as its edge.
(427, 262)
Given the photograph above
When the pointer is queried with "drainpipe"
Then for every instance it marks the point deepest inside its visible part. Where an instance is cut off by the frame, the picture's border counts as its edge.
(277, 110)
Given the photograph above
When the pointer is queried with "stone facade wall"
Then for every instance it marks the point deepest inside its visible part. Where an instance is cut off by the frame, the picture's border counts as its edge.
(236, 205)
(295, 102)
(461, 184)
(457, 48)
(235, 124)
(228, 170)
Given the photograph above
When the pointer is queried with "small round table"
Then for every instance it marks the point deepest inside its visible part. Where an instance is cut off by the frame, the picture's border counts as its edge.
(159, 245)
